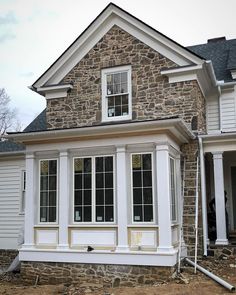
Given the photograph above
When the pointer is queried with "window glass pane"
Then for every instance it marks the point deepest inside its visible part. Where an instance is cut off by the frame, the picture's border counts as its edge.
(124, 88)
(99, 180)
(87, 165)
(99, 213)
(44, 167)
(52, 214)
(124, 110)
(78, 181)
(147, 195)
(99, 197)
(44, 183)
(118, 110)
(87, 213)
(108, 180)
(78, 197)
(87, 181)
(138, 215)
(52, 198)
(52, 183)
(111, 101)
(87, 197)
(136, 162)
(78, 165)
(53, 167)
(78, 214)
(109, 196)
(124, 77)
(109, 214)
(147, 162)
(148, 213)
(147, 178)
(137, 195)
(108, 164)
(99, 164)
(44, 199)
(43, 214)
(137, 179)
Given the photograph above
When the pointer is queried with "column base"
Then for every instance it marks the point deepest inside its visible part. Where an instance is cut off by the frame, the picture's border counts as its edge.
(167, 250)
(27, 246)
(222, 242)
(122, 248)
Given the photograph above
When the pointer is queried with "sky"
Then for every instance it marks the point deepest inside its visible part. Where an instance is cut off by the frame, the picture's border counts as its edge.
(34, 33)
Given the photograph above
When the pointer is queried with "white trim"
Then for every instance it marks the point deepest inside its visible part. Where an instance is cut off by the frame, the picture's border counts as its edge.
(156, 258)
(57, 201)
(142, 223)
(114, 70)
(173, 221)
(111, 16)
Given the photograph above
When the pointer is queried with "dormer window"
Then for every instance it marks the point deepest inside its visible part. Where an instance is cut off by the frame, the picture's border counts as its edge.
(116, 94)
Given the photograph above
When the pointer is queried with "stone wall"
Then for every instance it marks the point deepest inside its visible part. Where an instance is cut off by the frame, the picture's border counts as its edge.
(152, 96)
(190, 152)
(105, 275)
(6, 257)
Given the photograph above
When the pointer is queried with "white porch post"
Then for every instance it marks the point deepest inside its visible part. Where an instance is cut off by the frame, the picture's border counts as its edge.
(121, 182)
(219, 198)
(163, 195)
(63, 200)
(29, 201)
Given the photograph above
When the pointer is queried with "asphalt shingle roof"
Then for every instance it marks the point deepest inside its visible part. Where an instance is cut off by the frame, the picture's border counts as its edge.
(9, 146)
(222, 53)
(38, 124)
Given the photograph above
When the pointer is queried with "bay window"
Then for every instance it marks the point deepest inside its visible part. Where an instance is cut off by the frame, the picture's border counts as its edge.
(142, 187)
(48, 191)
(94, 189)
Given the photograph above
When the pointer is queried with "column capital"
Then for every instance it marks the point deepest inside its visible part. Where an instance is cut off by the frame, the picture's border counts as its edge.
(162, 146)
(121, 148)
(217, 155)
(29, 155)
(63, 153)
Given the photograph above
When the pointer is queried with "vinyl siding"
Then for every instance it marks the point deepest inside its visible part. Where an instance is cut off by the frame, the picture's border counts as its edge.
(10, 197)
(213, 115)
(228, 114)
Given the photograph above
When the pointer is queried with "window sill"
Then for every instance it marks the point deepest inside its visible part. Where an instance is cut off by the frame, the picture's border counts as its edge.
(142, 225)
(46, 225)
(92, 225)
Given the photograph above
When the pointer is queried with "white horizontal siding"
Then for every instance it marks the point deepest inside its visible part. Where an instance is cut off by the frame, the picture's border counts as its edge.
(10, 197)
(228, 114)
(213, 114)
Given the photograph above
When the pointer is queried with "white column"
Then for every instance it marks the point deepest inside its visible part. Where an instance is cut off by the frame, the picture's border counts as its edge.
(63, 200)
(219, 198)
(121, 184)
(163, 195)
(29, 201)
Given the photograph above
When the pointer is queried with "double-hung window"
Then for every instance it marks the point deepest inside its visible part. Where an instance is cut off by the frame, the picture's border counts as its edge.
(94, 189)
(142, 187)
(48, 191)
(116, 93)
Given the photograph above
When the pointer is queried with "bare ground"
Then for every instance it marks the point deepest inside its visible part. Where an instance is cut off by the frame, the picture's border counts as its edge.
(186, 283)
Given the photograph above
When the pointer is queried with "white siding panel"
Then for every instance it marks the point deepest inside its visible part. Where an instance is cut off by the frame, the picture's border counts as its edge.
(213, 114)
(10, 196)
(228, 114)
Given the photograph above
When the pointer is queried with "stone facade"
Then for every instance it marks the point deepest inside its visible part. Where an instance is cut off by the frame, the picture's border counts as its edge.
(190, 152)
(105, 275)
(6, 257)
(152, 96)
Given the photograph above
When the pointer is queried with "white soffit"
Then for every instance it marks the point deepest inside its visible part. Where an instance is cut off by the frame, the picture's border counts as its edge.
(111, 16)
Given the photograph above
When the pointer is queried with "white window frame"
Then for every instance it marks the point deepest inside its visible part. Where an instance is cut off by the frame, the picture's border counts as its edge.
(93, 221)
(175, 190)
(57, 201)
(153, 196)
(23, 192)
(115, 70)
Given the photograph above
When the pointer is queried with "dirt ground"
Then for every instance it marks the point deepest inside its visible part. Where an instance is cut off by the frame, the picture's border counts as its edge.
(186, 283)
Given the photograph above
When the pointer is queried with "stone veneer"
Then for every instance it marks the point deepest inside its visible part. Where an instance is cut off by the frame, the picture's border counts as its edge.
(6, 257)
(105, 275)
(152, 96)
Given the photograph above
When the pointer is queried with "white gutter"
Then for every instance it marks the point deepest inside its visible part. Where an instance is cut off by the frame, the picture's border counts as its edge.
(203, 193)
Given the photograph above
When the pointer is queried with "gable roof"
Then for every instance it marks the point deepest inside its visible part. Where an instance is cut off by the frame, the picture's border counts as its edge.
(222, 53)
(38, 124)
(110, 16)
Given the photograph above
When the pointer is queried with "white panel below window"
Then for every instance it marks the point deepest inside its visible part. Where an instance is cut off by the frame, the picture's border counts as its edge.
(99, 238)
(46, 237)
(142, 238)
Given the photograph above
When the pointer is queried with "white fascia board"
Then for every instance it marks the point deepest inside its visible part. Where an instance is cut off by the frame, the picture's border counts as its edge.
(176, 126)
(110, 17)
(55, 91)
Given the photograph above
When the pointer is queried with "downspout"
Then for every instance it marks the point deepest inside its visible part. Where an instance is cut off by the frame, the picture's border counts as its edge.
(203, 193)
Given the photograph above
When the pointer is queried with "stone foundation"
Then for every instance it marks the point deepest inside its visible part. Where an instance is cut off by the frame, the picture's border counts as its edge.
(104, 275)
(6, 257)
(222, 252)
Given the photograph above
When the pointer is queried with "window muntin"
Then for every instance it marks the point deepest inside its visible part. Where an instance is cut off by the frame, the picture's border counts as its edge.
(94, 189)
(142, 187)
(173, 190)
(48, 191)
(116, 88)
